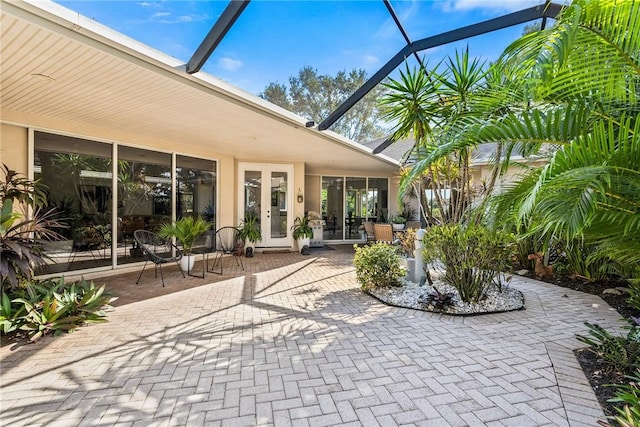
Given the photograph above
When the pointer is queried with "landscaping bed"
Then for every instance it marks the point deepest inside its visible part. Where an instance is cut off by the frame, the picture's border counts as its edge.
(598, 372)
(412, 295)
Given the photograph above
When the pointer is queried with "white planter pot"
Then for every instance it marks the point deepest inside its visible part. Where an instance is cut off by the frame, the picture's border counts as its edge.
(305, 241)
(187, 262)
(397, 227)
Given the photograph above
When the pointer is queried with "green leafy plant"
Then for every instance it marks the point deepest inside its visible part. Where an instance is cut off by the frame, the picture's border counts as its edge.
(473, 256)
(53, 306)
(634, 296)
(21, 236)
(377, 265)
(46, 316)
(10, 315)
(301, 228)
(187, 229)
(83, 299)
(250, 228)
(620, 352)
(629, 394)
(398, 219)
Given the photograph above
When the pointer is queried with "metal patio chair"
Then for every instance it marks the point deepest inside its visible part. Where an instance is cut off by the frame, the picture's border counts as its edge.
(158, 250)
(204, 245)
(227, 240)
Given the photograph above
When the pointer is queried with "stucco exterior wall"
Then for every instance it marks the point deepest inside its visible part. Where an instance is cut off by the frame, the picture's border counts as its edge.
(13, 147)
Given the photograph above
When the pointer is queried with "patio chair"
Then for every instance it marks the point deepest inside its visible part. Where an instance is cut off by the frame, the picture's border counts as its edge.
(90, 239)
(227, 241)
(158, 250)
(383, 233)
(204, 245)
(368, 231)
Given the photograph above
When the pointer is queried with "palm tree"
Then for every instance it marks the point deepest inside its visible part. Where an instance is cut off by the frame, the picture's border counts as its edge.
(426, 105)
(575, 87)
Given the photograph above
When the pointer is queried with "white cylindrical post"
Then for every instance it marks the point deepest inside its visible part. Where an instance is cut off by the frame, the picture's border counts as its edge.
(418, 272)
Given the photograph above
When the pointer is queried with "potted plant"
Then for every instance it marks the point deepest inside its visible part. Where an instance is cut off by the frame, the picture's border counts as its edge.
(187, 229)
(250, 232)
(397, 222)
(302, 232)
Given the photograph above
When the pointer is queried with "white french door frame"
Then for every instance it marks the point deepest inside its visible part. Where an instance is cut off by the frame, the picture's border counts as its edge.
(266, 170)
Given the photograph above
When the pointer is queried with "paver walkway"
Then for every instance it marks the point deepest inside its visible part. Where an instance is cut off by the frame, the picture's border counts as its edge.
(293, 341)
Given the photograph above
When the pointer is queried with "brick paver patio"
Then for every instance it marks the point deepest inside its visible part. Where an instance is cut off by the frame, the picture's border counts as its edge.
(293, 341)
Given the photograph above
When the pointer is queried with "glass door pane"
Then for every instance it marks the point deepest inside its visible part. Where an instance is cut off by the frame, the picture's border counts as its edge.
(355, 187)
(78, 176)
(196, 188)
(144, 197)
(332, 207)
(252, 193)
(279, 199)
(378, 199)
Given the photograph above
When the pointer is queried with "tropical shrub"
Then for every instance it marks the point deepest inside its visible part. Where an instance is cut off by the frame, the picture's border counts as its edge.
(186, 229)
(620, 352)
(567, 93)
(473, 256)
(377, 265)
(302, 228)
(21, 235)
(53, 306)
(250, 228)
(10, 314)
(629, 394)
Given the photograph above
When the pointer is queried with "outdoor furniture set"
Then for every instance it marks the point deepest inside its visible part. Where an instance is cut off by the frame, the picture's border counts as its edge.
(214, 244)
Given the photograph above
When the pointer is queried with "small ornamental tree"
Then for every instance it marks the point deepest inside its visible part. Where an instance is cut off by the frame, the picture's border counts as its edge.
(473, 256)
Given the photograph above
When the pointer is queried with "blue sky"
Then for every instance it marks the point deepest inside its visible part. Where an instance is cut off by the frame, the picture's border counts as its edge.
(272, 39)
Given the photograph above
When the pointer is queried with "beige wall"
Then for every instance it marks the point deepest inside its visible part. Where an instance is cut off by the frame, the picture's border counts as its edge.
(298, 186)
(482, 173)
(13, 147)
(312, 194)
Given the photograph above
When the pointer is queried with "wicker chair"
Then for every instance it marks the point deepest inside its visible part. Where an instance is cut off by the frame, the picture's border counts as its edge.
(368, 231)
(383, 233)
(158, 250)
(227, 239)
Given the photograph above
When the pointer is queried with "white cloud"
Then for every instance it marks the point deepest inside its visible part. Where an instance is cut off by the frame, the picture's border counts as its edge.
(229, 64)
(389, 28)
(369, 60)
(180, 19)
(500, 5)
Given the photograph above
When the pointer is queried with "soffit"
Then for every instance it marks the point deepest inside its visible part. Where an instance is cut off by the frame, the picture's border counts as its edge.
(105, 85)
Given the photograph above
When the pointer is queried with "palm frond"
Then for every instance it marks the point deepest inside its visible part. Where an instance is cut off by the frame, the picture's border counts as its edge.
(591, 51)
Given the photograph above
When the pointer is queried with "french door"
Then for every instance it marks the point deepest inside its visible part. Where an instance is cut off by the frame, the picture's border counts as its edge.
(266, 190)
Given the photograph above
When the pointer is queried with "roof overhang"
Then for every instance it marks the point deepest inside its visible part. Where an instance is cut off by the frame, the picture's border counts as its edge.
(58, 65)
